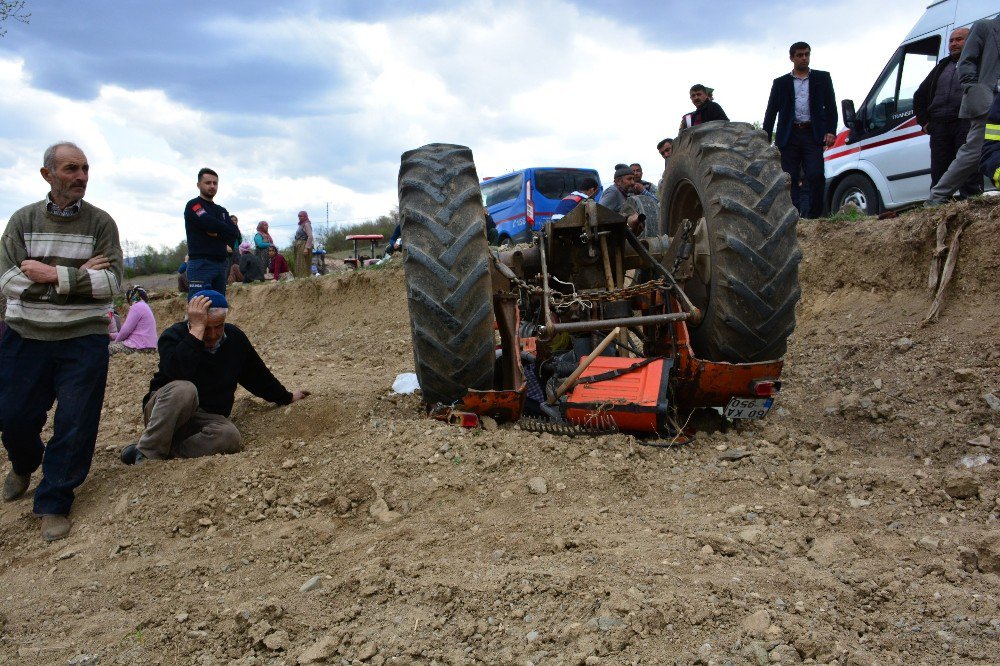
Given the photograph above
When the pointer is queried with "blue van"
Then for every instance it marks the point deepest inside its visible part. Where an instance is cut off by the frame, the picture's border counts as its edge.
(523, 201)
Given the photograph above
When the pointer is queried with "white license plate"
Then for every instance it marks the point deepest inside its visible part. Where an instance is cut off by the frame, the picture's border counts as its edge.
(748, 408)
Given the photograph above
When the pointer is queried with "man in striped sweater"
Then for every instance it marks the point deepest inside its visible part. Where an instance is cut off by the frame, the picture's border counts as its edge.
(60, 266)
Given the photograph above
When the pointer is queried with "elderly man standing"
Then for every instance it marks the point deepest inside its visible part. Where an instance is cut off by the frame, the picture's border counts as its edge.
(936, 105)
(190, 397)
(303, 246)
(979, 71)
(60, 265)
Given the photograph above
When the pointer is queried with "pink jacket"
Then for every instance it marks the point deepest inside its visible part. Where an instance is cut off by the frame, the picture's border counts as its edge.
(139, 329)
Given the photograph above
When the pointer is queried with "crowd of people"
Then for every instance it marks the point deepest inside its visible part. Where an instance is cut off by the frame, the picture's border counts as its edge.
(218, 255)
(61, 265)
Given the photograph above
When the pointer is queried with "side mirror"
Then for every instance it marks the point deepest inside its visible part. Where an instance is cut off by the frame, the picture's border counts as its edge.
(847, 110)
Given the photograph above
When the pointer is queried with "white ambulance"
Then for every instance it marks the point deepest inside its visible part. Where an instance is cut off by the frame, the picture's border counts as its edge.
(882, 160)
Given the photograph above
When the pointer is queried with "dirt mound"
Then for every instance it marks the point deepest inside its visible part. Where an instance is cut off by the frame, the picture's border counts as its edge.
(861, 528)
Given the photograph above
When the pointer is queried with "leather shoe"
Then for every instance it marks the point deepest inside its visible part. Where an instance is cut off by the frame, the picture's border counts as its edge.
(131, 455)
(15, 485)
(55, 527)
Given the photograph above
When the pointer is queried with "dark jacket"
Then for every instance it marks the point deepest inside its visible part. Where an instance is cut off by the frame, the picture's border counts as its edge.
(708, 112)
(209, 229)
(781, 104)
(979, 67)
(183, 356)
(251, 266)
(989, 162)
(925, 93)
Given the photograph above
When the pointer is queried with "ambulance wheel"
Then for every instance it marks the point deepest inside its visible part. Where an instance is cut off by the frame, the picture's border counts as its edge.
(446, 267)
(745, 278)
(859, 190)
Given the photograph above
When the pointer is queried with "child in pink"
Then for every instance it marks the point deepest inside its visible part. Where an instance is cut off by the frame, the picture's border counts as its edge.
(138, 333)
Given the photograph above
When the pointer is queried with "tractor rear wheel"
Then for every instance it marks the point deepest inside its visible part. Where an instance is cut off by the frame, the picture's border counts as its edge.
(747, 255)
(446, 265)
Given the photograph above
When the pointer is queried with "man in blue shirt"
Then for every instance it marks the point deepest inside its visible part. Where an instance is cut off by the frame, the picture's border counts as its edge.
(588, 188)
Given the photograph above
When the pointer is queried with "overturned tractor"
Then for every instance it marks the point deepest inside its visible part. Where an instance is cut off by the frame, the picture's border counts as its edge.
(598, 325)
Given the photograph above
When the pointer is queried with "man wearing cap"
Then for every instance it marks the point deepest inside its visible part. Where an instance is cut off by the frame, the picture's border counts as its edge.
(190, 397)
(624, 185)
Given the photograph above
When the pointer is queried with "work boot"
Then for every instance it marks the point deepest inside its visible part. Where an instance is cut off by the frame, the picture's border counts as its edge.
(55, 527)
(15, 485)
(131, 455)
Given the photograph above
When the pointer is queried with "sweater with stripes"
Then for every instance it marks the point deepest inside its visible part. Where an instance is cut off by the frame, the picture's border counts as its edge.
(78, 303)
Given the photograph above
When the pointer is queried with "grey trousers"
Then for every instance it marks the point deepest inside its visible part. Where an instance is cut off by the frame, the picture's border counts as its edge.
(177, 428)
(965, 164)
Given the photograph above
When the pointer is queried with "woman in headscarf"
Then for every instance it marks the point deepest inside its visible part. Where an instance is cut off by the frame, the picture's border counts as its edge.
(138, 333)
(303, 246)
(261, 242)
(250, 264)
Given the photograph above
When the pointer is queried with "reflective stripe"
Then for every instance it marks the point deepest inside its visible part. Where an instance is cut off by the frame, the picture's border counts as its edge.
(996, 178)
(995, 128)
(993, 137)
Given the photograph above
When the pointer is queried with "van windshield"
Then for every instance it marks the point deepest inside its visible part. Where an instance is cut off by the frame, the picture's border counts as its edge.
(557, 183)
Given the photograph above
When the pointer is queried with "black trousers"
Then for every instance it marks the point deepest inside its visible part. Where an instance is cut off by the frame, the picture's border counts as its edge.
(947, 136)
(802, 159)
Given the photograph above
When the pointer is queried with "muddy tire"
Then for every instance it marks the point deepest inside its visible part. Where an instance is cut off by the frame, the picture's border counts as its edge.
(648, 207)
(729, 174)
(446, 265)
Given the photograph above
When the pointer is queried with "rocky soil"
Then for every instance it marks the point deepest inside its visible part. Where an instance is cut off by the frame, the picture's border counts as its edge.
(860, 528)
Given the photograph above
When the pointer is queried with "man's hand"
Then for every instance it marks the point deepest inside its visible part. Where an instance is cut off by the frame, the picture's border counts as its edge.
(298, 395)
(636, 224)
(38, 272)
(97, 263)
(828, 139)
(926, 128)
(198, 315)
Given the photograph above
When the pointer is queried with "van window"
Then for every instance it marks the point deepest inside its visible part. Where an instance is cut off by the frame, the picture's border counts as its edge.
(501, 189)
(892, 97)
(557, 183)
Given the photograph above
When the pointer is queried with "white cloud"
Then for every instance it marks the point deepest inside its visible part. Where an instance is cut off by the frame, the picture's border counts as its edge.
(534, 84)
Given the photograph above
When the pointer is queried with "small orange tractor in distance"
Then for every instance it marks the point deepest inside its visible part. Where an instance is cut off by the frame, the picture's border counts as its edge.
(597, 326)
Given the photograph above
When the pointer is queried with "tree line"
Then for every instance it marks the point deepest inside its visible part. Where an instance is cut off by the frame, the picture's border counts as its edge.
(149, 260)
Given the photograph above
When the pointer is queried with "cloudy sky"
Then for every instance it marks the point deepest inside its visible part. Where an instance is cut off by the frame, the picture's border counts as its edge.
(308, 104)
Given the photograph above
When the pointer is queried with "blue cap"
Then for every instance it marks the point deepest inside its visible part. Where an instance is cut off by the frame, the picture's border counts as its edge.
(218, 300)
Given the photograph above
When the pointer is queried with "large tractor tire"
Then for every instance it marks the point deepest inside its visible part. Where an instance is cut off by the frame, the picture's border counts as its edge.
(746, 254)
(446, 265)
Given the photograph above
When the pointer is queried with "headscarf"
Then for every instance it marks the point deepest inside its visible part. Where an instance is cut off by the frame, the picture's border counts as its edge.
(245, 247)
(262, 230)
(303, 218)
(136, 293)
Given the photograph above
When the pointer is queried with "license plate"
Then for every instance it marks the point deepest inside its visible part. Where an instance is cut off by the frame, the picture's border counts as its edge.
(748, 408)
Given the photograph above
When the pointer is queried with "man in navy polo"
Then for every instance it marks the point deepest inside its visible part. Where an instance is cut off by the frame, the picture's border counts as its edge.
(210, 232)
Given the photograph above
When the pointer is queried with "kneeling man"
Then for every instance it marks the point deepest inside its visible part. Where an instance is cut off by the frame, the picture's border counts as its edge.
(191, 395)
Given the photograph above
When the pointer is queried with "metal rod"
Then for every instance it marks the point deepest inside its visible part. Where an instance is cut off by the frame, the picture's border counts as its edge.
(584, 364)
(599, 324)
(546, 305)
(696, 314)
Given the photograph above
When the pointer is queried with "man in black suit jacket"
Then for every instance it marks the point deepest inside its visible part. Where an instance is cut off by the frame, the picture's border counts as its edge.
(806, 109)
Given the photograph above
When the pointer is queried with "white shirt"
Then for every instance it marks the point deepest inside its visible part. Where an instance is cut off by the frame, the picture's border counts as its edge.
(801, 98)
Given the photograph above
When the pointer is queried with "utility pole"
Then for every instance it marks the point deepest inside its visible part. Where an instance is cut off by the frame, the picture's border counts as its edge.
(327, 213)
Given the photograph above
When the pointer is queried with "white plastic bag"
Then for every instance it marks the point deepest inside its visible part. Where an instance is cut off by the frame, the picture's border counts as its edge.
(405, 383)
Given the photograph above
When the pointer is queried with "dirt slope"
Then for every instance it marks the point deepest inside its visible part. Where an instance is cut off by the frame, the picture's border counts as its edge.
(851, 535)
